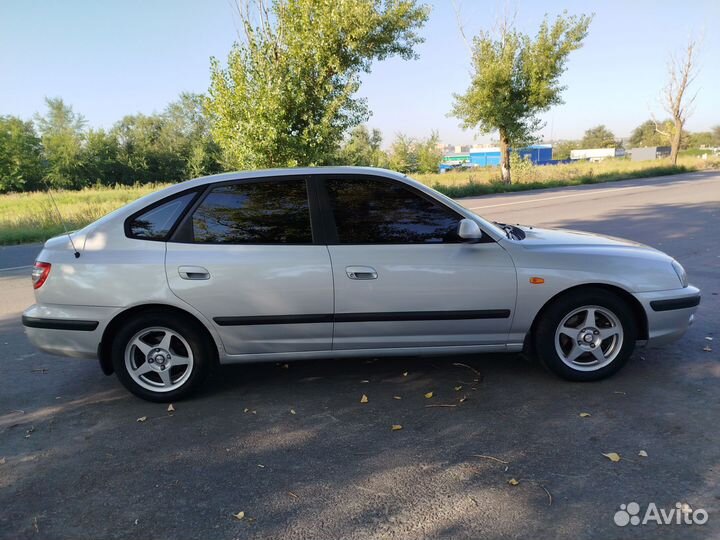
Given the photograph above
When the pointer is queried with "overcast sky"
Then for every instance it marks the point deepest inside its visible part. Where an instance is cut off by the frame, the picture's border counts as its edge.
(111, 58)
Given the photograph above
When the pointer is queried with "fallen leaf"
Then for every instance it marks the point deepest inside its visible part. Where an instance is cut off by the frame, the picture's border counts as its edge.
(171, 408)
(364, 399)
(396, 427)
(429, 395)
(458, 388)
(2, 461)
(513, 482)
(141, 419)
(584, 414)
(397, 397)
(642, 453)
(707, 348)
(261, 465)
(462, 399)
(405, 374)
(292, 411)
(246, 409)
(708, 338)
(239, 516)
(364, 381)
(612, 456)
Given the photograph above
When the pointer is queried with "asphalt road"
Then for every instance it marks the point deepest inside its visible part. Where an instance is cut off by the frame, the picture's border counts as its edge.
(76, 463)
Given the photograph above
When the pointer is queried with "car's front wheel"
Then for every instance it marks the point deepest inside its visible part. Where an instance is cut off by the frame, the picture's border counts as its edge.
(161, 357)
(586, 335)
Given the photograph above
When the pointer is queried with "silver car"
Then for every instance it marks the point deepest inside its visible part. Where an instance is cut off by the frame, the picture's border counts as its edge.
(279, 265)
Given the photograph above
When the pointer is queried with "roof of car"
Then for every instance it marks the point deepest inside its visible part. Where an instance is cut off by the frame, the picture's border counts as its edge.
(238, 175)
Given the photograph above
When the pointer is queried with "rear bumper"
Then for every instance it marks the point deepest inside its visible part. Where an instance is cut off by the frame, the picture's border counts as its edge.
(66, 330)
(669, 313)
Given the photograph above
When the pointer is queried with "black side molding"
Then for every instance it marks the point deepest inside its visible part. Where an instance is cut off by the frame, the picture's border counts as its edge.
(675, 303)
(59, 324)
(423, 315)
(365, 317)
(273, 319)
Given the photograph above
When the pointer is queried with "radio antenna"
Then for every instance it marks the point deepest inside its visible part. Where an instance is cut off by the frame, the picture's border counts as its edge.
(62, 221)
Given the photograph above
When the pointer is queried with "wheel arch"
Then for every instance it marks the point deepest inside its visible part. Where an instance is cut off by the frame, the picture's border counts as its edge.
(634, 304)
(116, 323)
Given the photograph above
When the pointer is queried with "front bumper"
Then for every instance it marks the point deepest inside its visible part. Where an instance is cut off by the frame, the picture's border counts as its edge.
(66, 330)
(669, 313)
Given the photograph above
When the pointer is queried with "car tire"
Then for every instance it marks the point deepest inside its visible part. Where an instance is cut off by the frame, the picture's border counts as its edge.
(586, 335)
(161, 357)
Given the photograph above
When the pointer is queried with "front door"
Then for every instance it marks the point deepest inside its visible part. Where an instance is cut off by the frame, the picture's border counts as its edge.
(403, 278)
(245, 258)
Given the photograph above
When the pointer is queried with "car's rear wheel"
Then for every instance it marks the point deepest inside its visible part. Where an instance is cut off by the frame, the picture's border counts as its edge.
(586, 335)
(161, 357)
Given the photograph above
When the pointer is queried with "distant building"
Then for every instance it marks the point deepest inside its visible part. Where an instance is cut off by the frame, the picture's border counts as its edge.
(596, 154)
(648, 153)
(539, 154)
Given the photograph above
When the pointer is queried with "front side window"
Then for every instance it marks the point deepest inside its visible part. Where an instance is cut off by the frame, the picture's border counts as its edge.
(370, 211)
(271, 212)
(155, 224)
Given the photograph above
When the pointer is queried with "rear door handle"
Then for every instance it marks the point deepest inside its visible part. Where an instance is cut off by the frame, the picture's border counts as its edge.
(193, 272)
(361, 272)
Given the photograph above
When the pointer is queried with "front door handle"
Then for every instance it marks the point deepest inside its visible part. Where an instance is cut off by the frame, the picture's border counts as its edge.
(361, 272)
(193, 272)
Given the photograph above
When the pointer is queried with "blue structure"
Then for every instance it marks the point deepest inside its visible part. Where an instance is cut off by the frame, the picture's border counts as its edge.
(539, 154)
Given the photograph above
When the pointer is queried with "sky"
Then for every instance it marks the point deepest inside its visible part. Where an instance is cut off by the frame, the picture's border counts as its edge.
(112, 58)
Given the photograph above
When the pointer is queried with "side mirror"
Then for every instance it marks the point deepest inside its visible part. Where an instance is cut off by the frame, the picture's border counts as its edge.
(469, 230)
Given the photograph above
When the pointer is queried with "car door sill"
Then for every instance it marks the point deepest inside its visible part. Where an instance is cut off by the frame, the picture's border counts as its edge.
(360, 353)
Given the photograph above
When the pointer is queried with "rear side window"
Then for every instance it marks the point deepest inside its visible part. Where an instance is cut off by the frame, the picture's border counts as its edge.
(369, 211)
(155, 224)
(271, 212)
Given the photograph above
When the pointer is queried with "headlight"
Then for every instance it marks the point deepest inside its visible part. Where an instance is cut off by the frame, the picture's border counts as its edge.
(681, 274)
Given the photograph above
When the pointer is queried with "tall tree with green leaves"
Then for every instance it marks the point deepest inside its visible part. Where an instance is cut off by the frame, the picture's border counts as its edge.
(599, 137)
(646, 134)
(515, 77)
(21, 165)
(62, 133)
(288, 93)
(362, 148)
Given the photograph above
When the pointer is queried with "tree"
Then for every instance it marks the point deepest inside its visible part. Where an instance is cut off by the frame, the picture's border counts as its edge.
(363, 148)
(429, 155)
(562, 149)
(61, 131)
(675, 98)
(646, 134)
(287, 96)
(716, 135)
(516, 77)
(189, 126)
(409, 155)
(21, 166)
(100, 159)
(599, 137)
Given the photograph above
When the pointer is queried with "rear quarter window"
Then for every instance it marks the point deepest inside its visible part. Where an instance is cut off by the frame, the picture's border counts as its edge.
(157, 222)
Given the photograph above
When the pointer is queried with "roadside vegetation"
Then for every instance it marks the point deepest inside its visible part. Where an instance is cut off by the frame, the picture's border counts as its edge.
(31, 217)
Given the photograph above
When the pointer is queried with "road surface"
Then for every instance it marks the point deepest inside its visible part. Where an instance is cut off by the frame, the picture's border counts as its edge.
(293, 448)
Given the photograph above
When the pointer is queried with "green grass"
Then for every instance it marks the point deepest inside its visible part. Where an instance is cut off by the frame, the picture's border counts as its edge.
(31, 217)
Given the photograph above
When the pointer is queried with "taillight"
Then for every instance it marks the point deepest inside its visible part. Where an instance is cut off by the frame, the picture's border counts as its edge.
(40, 273)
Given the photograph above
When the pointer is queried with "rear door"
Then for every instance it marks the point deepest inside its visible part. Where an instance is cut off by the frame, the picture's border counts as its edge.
(403, 278)
(245, 257)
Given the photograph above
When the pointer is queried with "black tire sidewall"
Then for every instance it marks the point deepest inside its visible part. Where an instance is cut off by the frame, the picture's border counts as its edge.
(202, 354)
(560, 308)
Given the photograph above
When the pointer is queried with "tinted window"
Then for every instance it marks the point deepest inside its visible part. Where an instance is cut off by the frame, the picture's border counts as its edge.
(157, 222)
(369, 211)
(254, 213)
